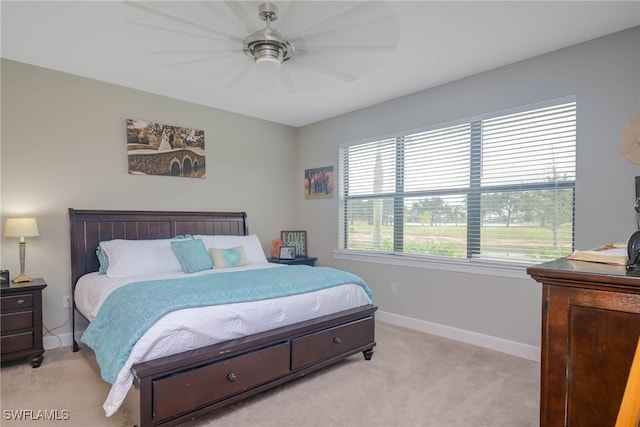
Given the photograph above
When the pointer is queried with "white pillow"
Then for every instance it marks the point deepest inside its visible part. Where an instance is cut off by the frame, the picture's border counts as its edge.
(252, 246)
(138, 257)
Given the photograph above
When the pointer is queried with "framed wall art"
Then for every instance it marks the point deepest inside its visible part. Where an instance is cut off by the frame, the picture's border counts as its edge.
(287, 252)
(156, 149)
(318, 183)
(297, 239)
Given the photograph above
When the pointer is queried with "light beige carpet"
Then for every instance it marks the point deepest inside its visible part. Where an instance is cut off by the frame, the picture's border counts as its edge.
(413, 379)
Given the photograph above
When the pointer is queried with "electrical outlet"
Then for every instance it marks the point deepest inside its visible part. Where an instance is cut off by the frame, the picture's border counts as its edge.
(66, 301)
(393, 288)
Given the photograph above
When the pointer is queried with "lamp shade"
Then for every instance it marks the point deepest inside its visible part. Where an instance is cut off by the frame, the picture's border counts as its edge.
(21, 227)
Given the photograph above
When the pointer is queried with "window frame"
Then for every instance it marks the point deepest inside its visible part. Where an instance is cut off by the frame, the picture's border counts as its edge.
(470, 264)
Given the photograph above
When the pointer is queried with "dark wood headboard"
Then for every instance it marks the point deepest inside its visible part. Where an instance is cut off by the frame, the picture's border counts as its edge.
(89, 227)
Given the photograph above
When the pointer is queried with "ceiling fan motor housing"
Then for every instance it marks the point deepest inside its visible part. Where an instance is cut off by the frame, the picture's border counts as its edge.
(266, 44)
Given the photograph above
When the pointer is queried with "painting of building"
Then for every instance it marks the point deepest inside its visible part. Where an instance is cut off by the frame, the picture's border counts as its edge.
(156, 149)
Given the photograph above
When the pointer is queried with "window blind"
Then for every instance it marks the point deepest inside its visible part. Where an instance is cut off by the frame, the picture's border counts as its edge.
(497, 188)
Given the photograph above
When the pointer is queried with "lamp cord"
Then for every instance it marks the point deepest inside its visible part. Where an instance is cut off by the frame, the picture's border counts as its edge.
(50, 331)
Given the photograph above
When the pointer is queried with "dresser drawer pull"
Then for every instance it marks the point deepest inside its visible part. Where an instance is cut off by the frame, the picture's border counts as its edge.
(231, 377)
(337, 340)
(20, 301)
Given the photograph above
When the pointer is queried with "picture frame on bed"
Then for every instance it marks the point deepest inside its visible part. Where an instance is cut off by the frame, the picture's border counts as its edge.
(287, 252)
(298, 239)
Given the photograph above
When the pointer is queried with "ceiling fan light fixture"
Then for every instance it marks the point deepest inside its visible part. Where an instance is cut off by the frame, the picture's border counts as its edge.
(268, 63)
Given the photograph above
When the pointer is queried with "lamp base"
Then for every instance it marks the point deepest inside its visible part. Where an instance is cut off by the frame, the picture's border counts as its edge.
(22, 278)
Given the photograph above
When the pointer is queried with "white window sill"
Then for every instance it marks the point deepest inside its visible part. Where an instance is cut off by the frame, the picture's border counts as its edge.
(501, 269)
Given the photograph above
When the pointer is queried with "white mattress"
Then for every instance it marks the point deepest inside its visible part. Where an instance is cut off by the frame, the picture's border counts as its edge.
(192, 328)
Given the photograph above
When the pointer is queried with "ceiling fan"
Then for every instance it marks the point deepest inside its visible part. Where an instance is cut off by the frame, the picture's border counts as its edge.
(317, 45)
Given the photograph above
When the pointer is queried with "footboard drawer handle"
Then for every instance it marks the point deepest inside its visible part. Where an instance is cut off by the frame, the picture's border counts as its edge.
(231, 377)
(337, 340)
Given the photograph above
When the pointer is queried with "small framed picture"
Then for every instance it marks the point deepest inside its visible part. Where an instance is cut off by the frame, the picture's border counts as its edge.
(4, 277)
(297, 239)
(287, 252)
(318, 183)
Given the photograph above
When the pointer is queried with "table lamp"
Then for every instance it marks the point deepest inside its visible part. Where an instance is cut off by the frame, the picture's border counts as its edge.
(21, 227)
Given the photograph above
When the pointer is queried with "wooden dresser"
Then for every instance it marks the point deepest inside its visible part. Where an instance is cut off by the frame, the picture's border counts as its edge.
(21, 321)
(590, 328)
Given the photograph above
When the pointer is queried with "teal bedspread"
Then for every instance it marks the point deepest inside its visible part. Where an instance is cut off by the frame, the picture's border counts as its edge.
(132, 309)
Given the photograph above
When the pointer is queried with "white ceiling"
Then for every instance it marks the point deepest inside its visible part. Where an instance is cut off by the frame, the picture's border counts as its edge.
(349, 55)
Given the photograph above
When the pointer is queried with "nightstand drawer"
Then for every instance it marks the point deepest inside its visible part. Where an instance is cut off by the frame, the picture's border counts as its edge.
(14, 321)
(16, 342)
(16, 301)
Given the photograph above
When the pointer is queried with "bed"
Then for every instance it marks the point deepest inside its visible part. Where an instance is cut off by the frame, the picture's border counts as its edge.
(167, 387)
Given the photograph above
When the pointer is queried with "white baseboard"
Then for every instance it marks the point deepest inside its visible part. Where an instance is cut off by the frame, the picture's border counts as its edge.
(513, 348)
(50, 342)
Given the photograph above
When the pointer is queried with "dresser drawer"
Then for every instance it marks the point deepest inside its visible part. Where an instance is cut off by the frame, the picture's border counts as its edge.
(205, 385)
(16, 320)
(325, 344)
(16, 301)
(16, 342)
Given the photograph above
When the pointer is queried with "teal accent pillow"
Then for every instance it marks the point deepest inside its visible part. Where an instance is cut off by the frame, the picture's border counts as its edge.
(183, 236)
(231, 257)
(192, 254)
(103, 259)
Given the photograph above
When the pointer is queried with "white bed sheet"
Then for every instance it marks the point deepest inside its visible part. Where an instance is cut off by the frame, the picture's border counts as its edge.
(184, 330)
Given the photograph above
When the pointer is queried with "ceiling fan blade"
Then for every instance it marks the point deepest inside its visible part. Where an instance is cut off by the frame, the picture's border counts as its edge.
(378, 30)
(241, 74)
(218, 12)
(323, 68)
(189, 52)
(287, 80)
(350, 47)
(299, 77)
(177, 19)
(373, 14)
(222, 70)
(300, 15)
(242, 16)
(289, 14)
(350, 62)
(215, 58)
(176, 31)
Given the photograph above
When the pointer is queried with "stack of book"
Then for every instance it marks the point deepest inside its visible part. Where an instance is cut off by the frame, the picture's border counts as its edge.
(614, 253)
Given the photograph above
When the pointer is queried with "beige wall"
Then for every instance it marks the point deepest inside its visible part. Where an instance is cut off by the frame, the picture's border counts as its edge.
(63, 145)
(603, 74)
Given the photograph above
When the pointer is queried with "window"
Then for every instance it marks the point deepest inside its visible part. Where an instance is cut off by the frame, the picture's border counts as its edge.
(496, 188)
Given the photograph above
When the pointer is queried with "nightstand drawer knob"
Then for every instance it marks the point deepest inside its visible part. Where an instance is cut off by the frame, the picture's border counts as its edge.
(337, 340)
(20, 301)
(231, 377)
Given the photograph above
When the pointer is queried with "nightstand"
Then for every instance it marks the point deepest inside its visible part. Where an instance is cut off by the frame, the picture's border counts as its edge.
(300, 260)
(21, 321)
